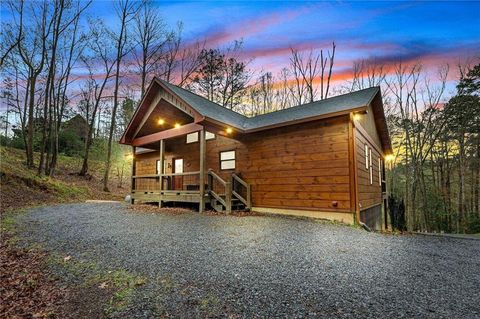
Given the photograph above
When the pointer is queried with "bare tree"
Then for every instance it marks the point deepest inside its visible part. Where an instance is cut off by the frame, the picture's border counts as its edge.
(305, 70)
(421, 123)
(283, 98)
(32, 48)
(261, 95)
(70, 54)
(180, 61)
(151, 38)
(367, 73)
(126, 11)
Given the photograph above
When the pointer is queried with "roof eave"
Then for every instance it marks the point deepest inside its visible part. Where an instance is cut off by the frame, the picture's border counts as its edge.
(306, 119)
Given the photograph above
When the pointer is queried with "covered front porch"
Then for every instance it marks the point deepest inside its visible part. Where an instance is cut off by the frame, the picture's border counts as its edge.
(191, 165)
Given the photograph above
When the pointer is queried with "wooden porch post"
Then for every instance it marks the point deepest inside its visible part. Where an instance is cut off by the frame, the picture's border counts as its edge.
(132, 184)
(202, 171)
(161, 172)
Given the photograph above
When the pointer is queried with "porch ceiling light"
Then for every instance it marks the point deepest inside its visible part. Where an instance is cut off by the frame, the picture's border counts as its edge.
(229, 130)
(161, 121)
(177, 125)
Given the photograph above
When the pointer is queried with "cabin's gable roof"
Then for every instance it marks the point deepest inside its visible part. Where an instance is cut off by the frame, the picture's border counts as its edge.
(333, 105)
(208, 110)
(206, 107)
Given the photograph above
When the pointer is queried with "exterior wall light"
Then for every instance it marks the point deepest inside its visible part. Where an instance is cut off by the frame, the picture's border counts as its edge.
(161, 121)
(357, 116)
(389, 157)
(229, 130)
(177, 125)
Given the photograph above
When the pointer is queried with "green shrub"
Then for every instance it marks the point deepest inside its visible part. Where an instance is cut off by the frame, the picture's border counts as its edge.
(473, 223)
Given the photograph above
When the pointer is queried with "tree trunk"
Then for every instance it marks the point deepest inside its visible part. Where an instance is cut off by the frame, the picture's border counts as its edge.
(31, 126)
(461, 190)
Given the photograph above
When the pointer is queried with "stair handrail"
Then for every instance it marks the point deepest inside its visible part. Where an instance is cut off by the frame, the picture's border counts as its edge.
(213, 174)
(247, 201)
(227, 202)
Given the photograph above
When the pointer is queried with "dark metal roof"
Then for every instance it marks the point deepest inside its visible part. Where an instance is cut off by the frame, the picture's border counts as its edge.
(333, 105)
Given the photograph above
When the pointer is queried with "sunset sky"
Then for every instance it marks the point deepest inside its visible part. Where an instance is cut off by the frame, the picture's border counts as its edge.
(430, 32)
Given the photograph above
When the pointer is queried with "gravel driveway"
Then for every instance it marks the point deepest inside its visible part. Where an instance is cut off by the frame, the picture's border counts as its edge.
(200, 266)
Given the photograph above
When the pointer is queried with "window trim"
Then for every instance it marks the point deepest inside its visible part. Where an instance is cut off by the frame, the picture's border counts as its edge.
(234, 160)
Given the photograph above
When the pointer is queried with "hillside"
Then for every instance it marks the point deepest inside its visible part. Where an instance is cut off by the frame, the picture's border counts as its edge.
(21, 187)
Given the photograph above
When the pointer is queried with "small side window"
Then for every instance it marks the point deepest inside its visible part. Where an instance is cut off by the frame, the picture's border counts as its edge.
(158, 167)
(366, 157)
(379, 171)
(227, 160)
(370, 164)
(192, 137)
(209, 136)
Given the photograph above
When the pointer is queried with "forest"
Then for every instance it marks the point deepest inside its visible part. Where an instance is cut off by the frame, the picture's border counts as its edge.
(58, 61)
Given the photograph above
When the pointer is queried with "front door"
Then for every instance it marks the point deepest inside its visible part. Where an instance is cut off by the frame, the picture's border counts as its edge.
(177, 168)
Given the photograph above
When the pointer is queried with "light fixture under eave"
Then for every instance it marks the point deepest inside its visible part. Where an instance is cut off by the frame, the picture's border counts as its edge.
(177, 125)
(161, 121)
(229, 130)
(357, 116)
(389, 157)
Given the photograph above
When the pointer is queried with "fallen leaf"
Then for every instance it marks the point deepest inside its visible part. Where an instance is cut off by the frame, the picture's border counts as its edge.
(103, 285)
(67, 258)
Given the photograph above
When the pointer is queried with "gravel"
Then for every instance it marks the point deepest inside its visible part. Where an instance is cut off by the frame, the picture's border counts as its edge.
(242, 267)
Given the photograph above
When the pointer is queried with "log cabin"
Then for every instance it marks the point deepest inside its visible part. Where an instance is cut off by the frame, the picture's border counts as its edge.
(323, 159)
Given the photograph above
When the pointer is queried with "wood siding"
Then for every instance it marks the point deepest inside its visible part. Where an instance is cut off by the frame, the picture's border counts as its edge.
(302, 166)
(367, 122)
(369, 194)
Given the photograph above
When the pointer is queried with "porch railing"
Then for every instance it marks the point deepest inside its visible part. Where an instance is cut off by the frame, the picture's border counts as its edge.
(189, 181)
(165, 187)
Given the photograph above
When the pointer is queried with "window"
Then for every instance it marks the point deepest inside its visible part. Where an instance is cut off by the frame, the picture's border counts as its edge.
(370, 164)
(209, 136)
(366, 157)
(158, 166)
(227, 160)
(192, 137)
(379, 171)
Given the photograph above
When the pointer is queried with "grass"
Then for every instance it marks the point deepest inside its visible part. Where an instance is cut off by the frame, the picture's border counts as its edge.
(23, 187)
(119, 283)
